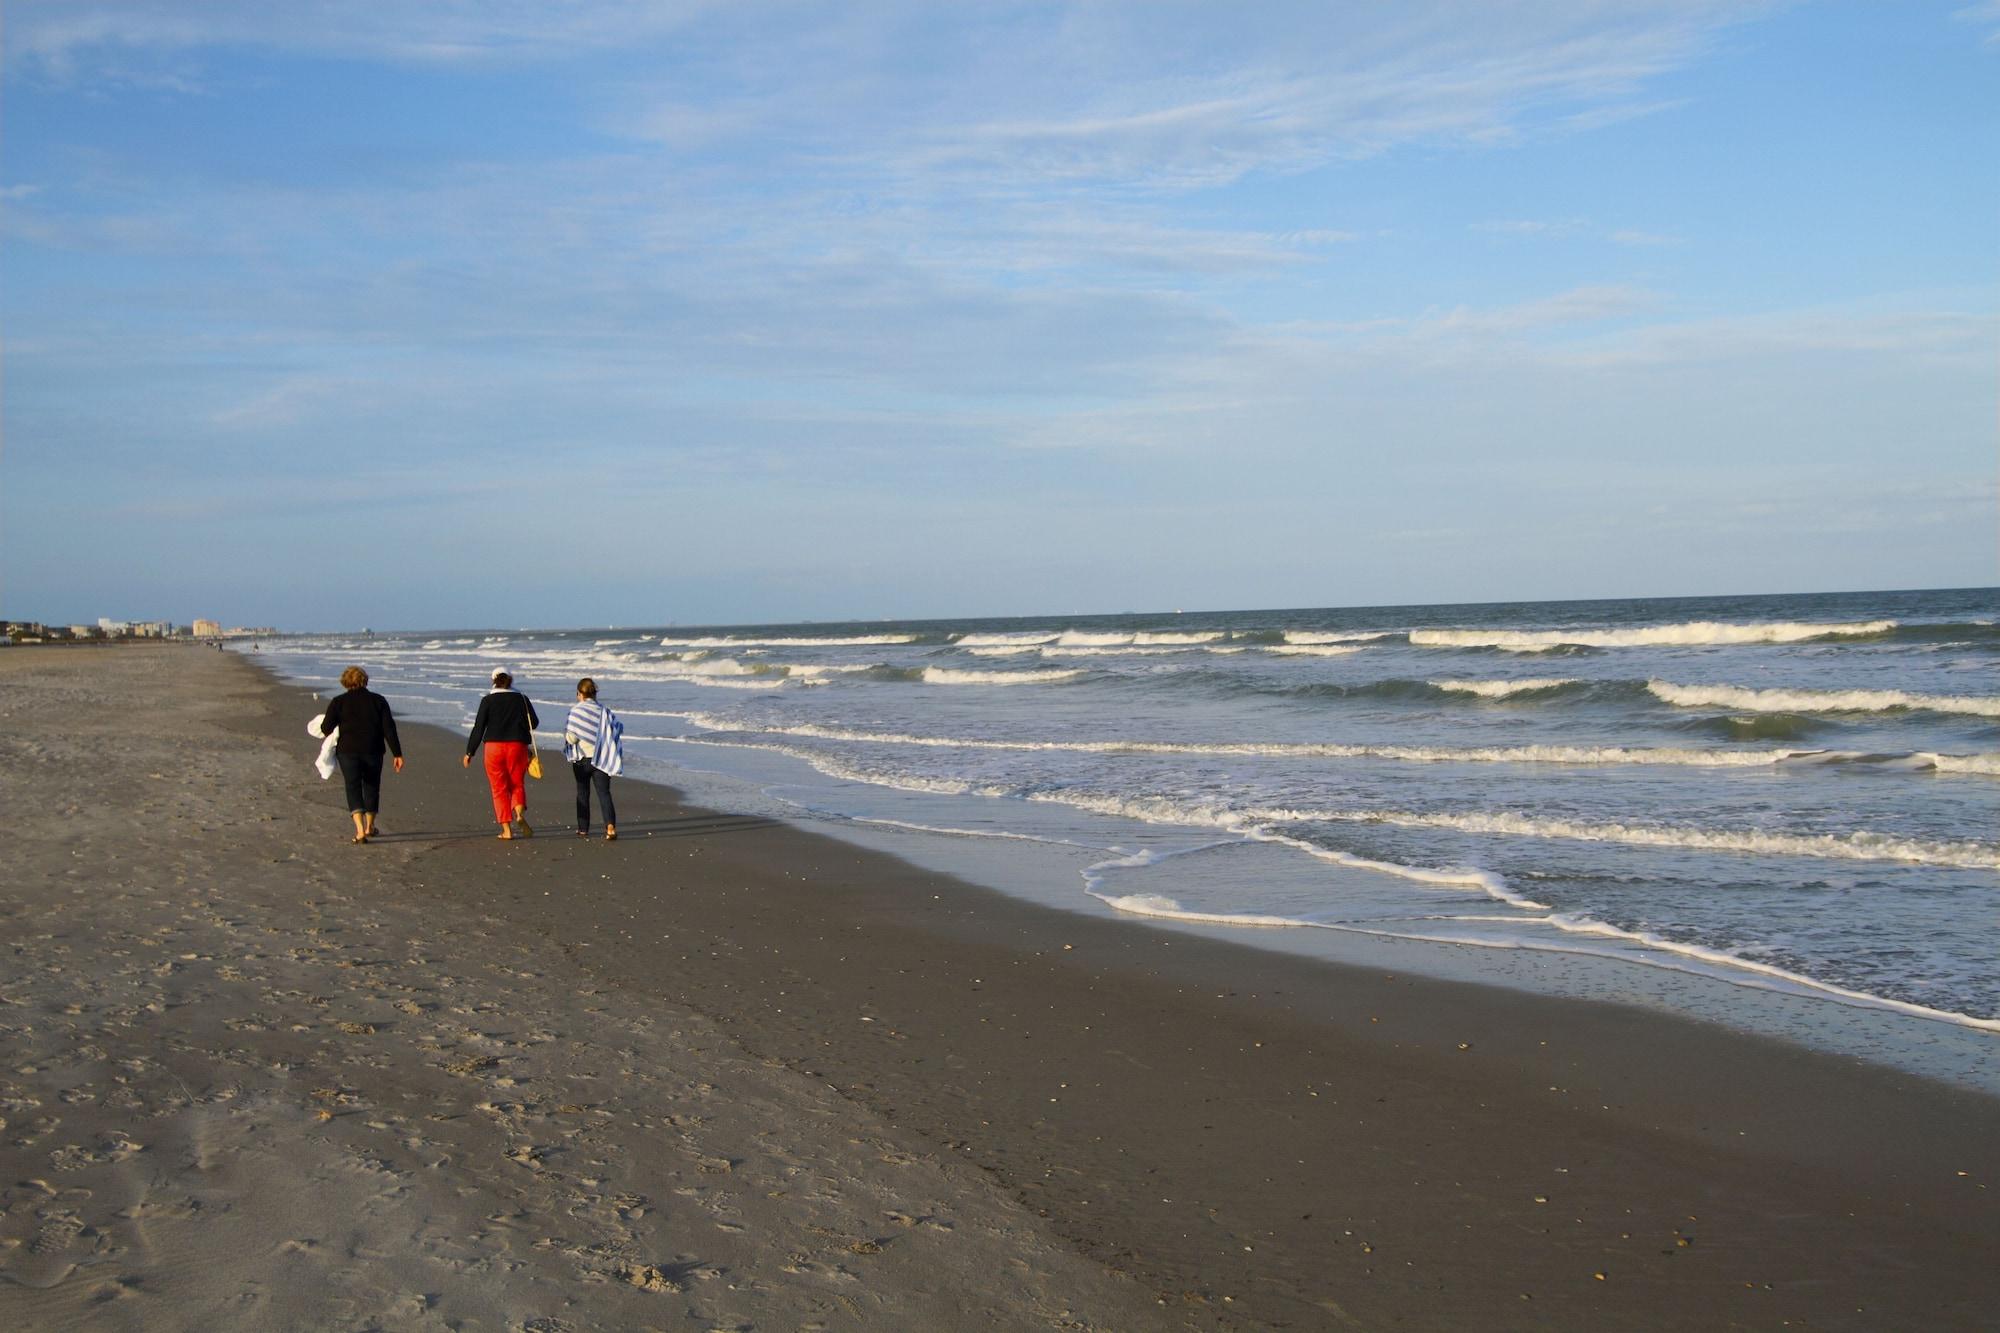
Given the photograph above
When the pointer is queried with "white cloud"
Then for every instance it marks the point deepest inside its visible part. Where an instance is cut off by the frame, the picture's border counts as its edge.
(1578, 305)
(1985, 14)
(1634, 237)
(1284, 110)
(1530, 227)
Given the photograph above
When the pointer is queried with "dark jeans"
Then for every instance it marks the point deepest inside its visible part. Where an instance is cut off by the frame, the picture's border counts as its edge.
(588, 775)
(363, 776)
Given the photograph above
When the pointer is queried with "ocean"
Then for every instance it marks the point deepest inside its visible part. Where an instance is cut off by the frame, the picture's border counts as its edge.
(1786, 792)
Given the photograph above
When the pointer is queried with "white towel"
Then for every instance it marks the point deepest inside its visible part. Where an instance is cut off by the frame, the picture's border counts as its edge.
(325, 763)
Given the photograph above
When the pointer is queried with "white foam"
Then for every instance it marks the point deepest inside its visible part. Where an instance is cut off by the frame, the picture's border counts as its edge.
(1176, 637)
(1083, 638)
(1821, 701)
(1988, 764)
(853, 641)
(1860, 845)
(719, 666)
(819, 670)
(1720, 963)
(1028, 637)
(958, 676)
(1501, 754)
(1004, 650)
(1693, 632)
(1500, 689)
(1316, 637)
(1159, 905)
(1246, 824)
(1313, 649)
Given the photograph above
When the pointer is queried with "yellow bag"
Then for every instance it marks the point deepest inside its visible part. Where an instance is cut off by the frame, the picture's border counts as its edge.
(535, 765)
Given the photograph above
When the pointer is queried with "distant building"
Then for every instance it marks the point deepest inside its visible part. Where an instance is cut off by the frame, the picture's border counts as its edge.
(84, 631)
(208, 629)
(111, 627)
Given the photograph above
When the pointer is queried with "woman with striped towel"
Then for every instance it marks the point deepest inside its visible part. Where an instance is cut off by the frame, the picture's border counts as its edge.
(594, 745)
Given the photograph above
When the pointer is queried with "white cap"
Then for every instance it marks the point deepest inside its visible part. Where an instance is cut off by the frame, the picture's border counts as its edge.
(498, 672)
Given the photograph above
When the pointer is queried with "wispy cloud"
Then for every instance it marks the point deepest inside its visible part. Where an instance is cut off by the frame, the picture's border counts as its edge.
(1494, 79)
(1632, 236)
(1985, 14)
(1530, 227)
(1574, 227)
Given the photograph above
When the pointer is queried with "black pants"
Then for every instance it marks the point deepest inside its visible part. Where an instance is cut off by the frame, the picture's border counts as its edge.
(363, 776)
(587, 776)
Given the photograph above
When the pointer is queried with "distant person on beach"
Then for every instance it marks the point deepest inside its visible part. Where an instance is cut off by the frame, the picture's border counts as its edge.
(506, 723)
(366, 728)
(593, 744)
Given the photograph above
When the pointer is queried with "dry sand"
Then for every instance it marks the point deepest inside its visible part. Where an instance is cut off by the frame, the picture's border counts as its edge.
(725, 1073)
(253, 1077)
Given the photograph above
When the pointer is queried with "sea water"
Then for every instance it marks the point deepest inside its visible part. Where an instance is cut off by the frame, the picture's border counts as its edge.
(1786, 792)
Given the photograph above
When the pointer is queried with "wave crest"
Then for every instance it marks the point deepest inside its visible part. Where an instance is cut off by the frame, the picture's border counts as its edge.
(1820, 701)
(960, 676)
(1691, 633)
(1502, 689)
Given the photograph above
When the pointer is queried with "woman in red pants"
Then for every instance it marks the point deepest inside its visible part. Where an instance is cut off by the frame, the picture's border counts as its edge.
(506, 723)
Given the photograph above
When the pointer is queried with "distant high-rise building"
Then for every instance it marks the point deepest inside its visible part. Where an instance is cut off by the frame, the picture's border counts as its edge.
(207, 629)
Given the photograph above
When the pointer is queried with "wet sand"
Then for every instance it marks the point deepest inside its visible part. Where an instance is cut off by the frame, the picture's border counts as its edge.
(729, 1073)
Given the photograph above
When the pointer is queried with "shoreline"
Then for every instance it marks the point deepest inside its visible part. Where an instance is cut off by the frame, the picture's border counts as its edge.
(1258, 1139)
(1931, 1044)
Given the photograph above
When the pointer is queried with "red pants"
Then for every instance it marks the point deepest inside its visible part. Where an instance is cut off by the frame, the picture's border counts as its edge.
(507, 774)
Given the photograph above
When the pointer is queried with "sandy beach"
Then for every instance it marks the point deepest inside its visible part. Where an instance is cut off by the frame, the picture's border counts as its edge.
(731, 1074)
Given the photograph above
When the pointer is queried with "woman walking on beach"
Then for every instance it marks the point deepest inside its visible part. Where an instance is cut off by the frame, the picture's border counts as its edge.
(506, 723)
(366, 727)
(593, 744)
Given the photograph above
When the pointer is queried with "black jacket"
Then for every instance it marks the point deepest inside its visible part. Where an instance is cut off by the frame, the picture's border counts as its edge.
(504, 715)
(365, 722)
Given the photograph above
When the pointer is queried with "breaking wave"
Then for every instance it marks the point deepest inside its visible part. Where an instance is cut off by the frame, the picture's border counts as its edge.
(1442, 754)
(1821, 701)
(1860, 845)
(1317, 637)
(1693, 632)
(1502, 689)
(1027, 638)
(857, 641)
(957, 676)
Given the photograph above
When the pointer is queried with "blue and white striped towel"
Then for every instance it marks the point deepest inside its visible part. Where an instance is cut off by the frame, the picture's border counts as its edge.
(594, 732)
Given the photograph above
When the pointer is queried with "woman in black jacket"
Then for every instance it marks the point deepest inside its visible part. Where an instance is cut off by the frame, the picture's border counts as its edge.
(505, 723)
(366, 728)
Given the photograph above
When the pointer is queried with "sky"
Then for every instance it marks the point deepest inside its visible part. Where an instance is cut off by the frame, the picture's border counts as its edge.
(494, 313)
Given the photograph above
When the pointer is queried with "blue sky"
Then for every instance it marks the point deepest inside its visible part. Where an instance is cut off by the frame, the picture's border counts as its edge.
(337, 312)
